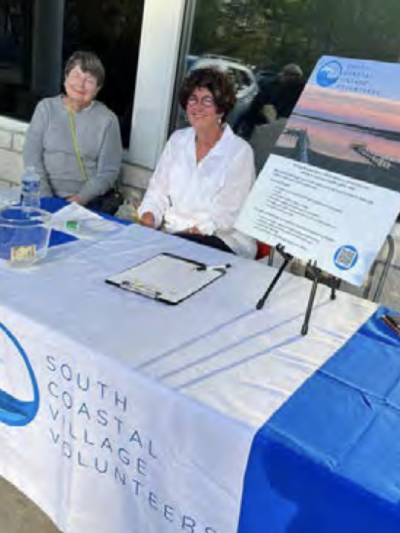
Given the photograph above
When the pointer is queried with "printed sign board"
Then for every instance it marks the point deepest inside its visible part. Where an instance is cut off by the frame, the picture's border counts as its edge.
(330, 192)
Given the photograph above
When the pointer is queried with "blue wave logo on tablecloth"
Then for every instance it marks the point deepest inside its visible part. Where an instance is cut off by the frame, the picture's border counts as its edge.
(15, 412)
(329, 73)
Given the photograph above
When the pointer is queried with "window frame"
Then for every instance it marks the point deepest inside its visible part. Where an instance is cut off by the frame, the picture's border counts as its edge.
(155, 82)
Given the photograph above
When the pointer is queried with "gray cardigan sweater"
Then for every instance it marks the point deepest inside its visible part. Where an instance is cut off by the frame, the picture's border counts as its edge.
(49, 147)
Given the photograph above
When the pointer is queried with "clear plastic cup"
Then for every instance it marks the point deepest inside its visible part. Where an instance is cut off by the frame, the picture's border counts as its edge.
(24, 235)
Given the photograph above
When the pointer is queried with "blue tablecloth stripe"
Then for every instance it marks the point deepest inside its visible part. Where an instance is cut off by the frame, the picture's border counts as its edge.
(58, 237)
(329, 460)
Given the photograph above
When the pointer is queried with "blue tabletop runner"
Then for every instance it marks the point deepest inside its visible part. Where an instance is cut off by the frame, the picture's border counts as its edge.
(328, 461)
(52, 205)
(58, 237)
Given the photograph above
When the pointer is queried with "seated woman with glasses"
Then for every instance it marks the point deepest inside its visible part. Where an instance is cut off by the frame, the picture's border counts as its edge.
(205, 171)
(73, 141)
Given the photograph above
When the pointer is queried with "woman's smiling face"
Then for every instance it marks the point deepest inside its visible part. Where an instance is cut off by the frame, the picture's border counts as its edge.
(201, 110)
(81, 87)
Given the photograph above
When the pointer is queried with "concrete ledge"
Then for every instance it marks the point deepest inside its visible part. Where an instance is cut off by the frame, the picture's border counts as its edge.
(12, 125)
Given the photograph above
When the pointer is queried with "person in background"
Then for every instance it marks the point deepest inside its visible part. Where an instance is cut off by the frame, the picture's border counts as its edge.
(280, 94)
(285, 90)
(73, 141)
(205, 171)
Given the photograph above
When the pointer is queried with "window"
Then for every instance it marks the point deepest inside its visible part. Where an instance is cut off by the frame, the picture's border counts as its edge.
(15, 68)
(112, 29)
(37, 36)
(253, 39)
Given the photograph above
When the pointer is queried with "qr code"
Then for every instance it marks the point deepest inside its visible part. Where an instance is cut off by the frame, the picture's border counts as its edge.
(346, 257)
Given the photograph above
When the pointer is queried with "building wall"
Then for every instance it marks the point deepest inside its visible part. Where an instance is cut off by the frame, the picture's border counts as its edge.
(133, 178)
(152, 101)
(12, 136)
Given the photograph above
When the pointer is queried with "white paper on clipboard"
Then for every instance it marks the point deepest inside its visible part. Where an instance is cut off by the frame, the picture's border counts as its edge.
(166, 277)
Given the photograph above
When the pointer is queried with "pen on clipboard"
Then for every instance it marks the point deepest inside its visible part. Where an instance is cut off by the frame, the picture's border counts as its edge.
(208, 268)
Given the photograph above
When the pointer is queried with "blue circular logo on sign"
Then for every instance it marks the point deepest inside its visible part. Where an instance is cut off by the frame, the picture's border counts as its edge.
(346, 257)
(329, 73)
(15, 412)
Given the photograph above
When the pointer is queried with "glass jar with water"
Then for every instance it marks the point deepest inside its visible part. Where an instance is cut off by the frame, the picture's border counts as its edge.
(24, 235)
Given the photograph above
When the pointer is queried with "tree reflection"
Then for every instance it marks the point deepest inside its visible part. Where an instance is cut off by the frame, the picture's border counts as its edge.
(271, 33)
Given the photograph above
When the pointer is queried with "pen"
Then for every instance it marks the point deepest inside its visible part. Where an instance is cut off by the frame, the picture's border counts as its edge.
(214, 267)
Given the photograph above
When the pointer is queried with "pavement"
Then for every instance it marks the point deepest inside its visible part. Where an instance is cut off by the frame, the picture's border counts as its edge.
(20, 515)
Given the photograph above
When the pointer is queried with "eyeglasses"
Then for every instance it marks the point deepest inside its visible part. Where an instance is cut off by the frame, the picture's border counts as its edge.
(206, 101)
(85, 78)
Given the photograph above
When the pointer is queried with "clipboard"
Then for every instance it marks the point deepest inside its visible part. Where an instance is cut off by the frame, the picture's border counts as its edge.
(167, 278)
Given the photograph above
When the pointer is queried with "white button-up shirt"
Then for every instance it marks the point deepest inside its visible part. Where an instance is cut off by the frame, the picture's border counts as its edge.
(183, 193)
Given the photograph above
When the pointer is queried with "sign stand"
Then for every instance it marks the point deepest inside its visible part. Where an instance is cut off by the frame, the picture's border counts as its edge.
(286, 260)
(319, 189)
(316, 275)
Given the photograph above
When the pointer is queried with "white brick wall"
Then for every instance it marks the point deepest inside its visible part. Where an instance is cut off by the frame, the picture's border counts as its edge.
(12, 136)
(18, 142)
(11, 166)
(5, 139)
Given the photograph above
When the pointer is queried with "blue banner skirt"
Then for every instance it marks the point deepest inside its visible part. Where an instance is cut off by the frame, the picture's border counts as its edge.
(328, 461)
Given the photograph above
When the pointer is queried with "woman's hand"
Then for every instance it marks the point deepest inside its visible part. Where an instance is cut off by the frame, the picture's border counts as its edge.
(193, 229)
(147, 219)
(77, 199)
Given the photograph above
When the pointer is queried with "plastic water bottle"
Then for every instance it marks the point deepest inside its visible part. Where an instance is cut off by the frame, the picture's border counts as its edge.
(30, 188)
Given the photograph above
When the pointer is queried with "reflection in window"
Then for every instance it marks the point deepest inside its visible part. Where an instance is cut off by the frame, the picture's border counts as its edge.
(112, 29)
(15, 36)
(253, 39)
(37, 36)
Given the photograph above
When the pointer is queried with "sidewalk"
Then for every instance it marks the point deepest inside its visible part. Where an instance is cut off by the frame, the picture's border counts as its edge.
(20, 515)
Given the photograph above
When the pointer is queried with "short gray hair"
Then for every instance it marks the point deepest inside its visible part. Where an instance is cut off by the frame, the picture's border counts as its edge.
(88, 62)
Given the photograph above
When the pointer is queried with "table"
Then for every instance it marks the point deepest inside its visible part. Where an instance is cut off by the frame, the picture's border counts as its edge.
(148, 414)
(328, 460)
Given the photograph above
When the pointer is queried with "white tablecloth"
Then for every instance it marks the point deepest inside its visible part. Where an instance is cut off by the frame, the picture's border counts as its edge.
(148, 411)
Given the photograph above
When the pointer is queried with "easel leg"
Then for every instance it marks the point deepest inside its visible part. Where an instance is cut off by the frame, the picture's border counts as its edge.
(317, 276)
(304, 328)
(287, 259)
(262, 301)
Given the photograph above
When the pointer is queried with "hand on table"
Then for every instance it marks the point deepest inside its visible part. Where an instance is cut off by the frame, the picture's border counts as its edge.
(77, 199)
(147, 219)
(193, 229)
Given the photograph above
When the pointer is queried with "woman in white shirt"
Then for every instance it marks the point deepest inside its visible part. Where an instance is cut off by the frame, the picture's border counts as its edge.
(205, 171)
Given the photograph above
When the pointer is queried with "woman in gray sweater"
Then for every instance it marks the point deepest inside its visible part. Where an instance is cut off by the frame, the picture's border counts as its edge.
(73, 141)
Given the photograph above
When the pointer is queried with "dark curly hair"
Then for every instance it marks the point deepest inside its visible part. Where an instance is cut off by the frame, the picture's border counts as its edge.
(216, 82)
